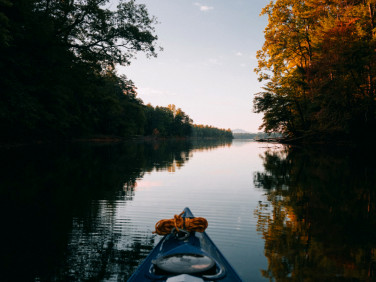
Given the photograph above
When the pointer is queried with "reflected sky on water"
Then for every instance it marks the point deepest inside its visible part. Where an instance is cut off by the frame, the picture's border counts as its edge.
(87, 211)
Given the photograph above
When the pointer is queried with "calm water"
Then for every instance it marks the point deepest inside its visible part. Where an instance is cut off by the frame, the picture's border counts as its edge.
(86, 211)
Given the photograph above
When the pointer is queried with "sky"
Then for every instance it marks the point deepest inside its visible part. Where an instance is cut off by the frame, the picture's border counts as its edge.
(206, 67)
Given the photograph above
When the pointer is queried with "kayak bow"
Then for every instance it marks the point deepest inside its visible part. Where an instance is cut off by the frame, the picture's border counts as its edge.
(185, 256)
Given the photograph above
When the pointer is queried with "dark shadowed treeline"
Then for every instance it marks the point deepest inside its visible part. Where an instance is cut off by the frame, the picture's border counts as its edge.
(205, 131)
(58, 78)
(57, 65)
(319, 63)
(167, 121)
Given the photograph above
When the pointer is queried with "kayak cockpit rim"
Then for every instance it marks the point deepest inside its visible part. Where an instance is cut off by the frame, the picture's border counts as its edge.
(192, 256)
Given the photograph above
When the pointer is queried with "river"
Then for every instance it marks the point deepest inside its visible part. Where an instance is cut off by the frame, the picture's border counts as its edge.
(86, 211)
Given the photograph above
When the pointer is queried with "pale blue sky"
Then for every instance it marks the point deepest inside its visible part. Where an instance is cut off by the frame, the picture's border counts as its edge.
(207, 64)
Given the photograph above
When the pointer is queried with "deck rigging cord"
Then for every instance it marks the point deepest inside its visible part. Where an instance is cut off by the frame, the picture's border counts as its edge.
(190, 224)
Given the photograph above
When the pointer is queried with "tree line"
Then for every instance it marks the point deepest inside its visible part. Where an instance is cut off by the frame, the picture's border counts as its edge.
(58, 77)
(206, 131)
(167, 121)
(318, 62)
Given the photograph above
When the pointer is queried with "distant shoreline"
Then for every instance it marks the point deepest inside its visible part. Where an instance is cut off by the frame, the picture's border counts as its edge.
(104, 139)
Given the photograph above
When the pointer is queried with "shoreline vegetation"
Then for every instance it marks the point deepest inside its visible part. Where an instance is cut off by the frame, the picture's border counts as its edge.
(318, 63)
(59, 81)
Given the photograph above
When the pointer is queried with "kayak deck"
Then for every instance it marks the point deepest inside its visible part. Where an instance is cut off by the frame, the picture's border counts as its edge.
(192, 257)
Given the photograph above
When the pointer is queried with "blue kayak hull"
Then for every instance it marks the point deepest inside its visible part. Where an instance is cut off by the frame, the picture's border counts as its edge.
(195, 243)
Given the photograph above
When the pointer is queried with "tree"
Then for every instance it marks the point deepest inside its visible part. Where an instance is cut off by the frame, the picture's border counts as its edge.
(284, 59)
(209, 132)
(97, 34)
(4, 23)
(58, 68)
(318, 61)
(167, 121)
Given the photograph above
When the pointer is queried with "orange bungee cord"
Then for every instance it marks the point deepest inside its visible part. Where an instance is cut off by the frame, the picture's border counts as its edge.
(165, 226)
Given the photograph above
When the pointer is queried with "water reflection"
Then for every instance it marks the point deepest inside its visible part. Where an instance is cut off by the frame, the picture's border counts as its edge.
(61, 203)
(319, 219)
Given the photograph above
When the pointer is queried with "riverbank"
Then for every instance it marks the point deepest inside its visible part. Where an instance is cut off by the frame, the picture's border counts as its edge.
(322, 140)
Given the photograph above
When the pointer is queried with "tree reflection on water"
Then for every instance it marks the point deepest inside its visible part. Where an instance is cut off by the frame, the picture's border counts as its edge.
(60, 206)
(319, 219)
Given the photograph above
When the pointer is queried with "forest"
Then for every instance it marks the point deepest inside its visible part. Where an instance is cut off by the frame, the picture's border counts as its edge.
(318, 66)
(58, 72)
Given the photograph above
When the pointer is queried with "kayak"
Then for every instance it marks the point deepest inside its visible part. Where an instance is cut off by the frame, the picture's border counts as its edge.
(185, 257)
